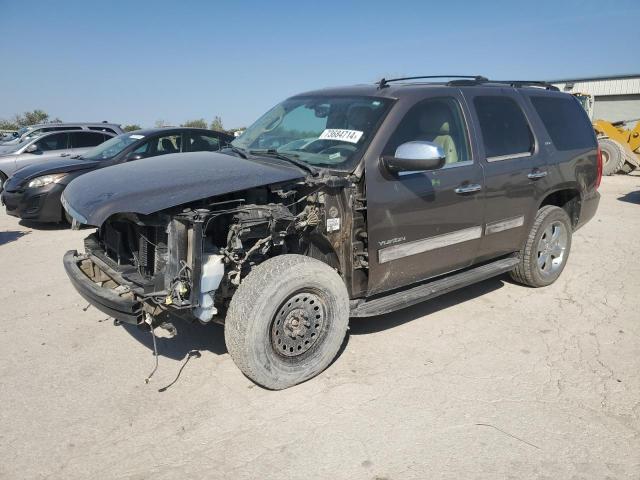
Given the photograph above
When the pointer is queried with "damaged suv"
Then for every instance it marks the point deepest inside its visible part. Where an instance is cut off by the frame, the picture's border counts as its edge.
(342, 202)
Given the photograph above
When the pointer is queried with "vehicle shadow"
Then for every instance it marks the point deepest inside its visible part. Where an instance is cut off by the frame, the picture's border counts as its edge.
(11, 236)
(43, 226)
(190, 337)
(631, 197)
(365, 326)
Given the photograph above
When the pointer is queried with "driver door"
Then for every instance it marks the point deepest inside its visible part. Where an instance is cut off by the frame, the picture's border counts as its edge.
(424, 224)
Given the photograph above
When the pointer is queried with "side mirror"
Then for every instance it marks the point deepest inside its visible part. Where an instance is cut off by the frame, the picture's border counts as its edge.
(32, 148)
(417, 156)
(134, 156)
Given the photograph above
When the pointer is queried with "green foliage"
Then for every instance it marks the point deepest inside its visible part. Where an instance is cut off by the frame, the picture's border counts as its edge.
(25, 119)
(198, 123)
(131, 128)
(216, 124)
(31, 118)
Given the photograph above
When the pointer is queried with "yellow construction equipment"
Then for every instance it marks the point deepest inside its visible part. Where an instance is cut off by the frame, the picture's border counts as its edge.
(620, 145)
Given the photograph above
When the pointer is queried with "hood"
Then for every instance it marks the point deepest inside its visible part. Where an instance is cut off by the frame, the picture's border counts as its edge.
(57, 164)
(153, 184)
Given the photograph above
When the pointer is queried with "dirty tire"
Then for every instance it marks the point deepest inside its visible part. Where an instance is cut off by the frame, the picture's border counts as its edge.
(261, 300)
(613, 156)
(528, 272)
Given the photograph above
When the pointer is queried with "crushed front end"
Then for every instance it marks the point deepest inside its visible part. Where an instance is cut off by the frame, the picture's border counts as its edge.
(188, 262)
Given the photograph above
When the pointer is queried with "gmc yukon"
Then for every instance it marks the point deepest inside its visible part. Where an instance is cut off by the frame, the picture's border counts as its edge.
(337, 203)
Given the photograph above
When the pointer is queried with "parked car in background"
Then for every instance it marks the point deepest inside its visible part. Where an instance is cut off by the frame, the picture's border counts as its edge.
(36, 130)
(33, 192)
(48, 146)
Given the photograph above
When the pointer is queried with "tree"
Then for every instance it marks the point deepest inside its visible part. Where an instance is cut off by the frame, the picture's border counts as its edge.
(131, 128)
(199, 123)
(8, 125)
(31, 118)
(216, 124)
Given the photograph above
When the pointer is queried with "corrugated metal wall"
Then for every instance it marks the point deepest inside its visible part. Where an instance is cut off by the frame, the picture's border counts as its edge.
(625, 86)
(617, 107)
(615, 98)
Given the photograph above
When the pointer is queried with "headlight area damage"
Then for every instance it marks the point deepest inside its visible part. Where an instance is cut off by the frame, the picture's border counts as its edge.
(187, 261)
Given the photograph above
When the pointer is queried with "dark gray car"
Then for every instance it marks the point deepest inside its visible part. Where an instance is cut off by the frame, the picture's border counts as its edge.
(342, 202)
(48, 146)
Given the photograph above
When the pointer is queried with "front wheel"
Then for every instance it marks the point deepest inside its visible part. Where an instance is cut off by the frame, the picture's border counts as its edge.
(287, 321)
(546, 249)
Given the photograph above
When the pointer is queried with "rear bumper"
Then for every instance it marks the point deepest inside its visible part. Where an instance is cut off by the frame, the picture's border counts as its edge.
(36, 204)
(123, 306)
(589, 206)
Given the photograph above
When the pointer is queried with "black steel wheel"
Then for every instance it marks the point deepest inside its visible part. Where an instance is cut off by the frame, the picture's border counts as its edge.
(287, 320)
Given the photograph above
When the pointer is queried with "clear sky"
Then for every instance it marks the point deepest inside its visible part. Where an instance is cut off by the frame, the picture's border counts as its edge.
(141, 61)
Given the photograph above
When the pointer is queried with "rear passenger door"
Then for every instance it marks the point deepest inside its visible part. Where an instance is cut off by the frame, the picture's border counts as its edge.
(514, 165)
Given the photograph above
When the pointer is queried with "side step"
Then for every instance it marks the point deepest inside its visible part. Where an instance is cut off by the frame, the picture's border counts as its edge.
(426, 291)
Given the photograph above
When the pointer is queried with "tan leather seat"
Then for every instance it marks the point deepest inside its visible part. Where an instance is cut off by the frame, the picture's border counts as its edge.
(435, 126)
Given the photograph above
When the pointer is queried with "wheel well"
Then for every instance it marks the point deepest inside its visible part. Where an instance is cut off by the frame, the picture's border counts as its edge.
(569, 200)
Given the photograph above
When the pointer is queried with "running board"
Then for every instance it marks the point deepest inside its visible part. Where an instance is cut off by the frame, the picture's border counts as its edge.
(427, 291)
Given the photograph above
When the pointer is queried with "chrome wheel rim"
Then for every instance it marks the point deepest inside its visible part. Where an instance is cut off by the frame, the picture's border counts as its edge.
(552, 248)
(298, 324)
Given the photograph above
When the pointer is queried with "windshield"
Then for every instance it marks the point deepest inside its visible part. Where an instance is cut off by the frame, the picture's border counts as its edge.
(112, 147)
(318, 130)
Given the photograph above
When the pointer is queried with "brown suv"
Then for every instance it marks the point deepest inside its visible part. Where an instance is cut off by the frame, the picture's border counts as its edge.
(342, 202)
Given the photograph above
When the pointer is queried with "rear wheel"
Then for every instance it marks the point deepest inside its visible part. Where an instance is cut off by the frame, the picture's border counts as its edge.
(287, 321)
(546, 249)
(613, 156)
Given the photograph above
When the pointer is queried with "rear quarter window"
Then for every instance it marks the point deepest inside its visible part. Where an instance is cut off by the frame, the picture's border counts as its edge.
(566, 122)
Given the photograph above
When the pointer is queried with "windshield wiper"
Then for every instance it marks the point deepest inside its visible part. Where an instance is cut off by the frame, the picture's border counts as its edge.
(289, 158)
(239, 151)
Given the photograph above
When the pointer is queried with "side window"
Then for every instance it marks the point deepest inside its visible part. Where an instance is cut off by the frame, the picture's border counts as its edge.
(436, 120)
(57, 141)
(86, 139)
(565, 121)
(102, 129)
(161, 145)
(505, 130)
(202, 142)
(58, 129)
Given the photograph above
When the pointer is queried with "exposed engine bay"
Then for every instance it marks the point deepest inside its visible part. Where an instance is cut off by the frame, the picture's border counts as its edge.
(188, 261)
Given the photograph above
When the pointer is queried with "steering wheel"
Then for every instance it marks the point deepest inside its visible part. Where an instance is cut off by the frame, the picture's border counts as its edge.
(344, 150)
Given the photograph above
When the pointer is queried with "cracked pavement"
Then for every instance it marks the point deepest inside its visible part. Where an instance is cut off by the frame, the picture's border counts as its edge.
(493, 381)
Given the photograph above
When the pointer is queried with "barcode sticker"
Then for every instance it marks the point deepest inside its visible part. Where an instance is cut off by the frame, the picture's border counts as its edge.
(351, 136)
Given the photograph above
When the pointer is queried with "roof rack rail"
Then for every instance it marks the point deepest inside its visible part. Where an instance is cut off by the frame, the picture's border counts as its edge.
(384, 82)
(466, 80)
(528, 83)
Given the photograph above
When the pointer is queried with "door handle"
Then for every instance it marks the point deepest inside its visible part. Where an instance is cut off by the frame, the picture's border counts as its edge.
(470, 188)
(537, 174)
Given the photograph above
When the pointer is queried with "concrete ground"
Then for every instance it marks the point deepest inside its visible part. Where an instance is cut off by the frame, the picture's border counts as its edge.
(494, 381)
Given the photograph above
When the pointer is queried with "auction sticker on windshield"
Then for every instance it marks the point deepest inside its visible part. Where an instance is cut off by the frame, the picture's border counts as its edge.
(137, 137)
(351, 136)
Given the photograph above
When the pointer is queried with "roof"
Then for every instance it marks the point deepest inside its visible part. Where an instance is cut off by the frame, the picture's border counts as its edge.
(152, 131)
(396, 89)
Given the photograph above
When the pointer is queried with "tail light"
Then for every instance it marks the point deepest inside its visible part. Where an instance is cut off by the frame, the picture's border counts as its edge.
(599, 179)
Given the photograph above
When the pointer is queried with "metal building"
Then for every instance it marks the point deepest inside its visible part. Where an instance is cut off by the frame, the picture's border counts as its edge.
(617, 97)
